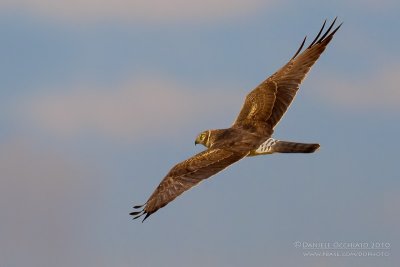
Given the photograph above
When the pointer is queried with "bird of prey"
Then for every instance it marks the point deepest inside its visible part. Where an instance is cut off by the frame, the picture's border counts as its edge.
(250, 134)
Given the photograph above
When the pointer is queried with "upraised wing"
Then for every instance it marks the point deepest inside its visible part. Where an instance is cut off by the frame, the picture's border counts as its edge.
(258, 105)
(269, 101)
(185, 175)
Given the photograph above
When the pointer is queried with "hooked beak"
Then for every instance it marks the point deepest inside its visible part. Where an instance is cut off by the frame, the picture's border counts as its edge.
(196, 142)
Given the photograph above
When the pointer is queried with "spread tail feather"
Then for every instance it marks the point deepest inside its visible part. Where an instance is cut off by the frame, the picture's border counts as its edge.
(276, 146)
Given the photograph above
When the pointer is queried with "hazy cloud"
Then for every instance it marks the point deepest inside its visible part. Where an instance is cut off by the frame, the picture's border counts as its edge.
(138, 10)
(150, 107)
(42, 193)
(377, 91)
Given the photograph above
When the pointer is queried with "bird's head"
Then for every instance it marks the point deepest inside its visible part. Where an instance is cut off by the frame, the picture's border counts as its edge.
(203, 138)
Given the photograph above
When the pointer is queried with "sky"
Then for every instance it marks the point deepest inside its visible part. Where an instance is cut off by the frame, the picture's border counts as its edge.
(99, 99)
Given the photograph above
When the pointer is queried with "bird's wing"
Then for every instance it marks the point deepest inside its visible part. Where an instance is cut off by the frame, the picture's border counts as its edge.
(185, 175)
(258, 105)
(289, 77)
(270, 100)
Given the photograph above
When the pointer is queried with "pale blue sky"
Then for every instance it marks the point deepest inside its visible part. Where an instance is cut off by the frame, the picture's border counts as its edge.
(98, 101)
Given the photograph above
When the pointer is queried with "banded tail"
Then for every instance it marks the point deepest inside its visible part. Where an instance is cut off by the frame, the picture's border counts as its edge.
(276, 146)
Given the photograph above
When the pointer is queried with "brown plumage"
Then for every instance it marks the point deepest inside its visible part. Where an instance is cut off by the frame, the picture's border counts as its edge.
(250, 134)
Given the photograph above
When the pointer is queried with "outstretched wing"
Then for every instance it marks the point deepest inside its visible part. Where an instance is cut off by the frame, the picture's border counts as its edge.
(290, 76)
(185, 175)
(258, 104)
(269, 101)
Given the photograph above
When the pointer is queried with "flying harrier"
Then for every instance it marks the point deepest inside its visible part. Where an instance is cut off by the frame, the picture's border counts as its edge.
(250, 134)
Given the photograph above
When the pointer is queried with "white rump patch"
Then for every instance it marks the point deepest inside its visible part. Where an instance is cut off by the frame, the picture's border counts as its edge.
(266, 147)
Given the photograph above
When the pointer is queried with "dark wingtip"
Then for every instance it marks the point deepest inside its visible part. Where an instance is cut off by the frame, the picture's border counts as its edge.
(145, 217)
(327, 31)
(138, 214)
(301, 47)
(319, 39)
(319, 33)
(337, 28)
(134, 218)
(141, 212)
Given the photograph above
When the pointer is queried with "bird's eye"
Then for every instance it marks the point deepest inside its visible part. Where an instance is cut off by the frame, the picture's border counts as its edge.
(202, 136)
